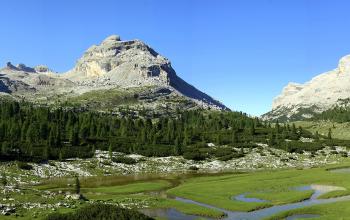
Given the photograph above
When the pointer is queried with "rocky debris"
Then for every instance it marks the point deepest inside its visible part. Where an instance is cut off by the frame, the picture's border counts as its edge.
(320, 93)
(42, 69)
(7, 209)
(10, 86)
(73, 196)
(262, 157)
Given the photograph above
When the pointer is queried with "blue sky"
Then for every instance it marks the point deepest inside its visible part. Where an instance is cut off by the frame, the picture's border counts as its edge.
(241, 52)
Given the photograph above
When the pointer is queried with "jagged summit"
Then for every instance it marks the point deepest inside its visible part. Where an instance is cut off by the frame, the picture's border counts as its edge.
(123, 63)
(112, 64)
(23, 68)
(19, 67)
(298, 101)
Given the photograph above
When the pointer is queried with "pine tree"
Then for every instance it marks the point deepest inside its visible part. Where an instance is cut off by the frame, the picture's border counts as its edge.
(73, 136)
(234, 137)
(178, 150)
(4, 179)
(52, 139)
(46, 152)
(317, 137)
(252, 129)
(278, 128)
(294, 130)
(110, 152)
(271, 139)
(330, 134)
(60, 156)
(77, 185)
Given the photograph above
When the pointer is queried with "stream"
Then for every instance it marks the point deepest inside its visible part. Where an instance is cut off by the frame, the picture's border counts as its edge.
(177, 179)
(173, 214)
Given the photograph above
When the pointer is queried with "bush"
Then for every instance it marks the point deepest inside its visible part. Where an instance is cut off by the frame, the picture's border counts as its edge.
(125, 160)
(100, 212)
(193, 168)
(222, 152)
(24, 165)
(226, 157)
(194, 154)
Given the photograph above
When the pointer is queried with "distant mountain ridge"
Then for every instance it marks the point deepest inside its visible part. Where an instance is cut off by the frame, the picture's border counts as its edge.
(113, 64)
(300, 101)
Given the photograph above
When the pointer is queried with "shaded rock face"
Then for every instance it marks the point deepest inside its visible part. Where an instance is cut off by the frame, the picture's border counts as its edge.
(20, 67)
(320, 93)
(9, 86)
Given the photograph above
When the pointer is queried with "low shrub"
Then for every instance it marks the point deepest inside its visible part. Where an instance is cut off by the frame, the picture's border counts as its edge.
(123, 159)
(100, 212)
(24, 165)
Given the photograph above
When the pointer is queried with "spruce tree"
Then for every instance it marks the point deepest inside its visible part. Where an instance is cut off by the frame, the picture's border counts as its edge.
(110, 152)
(234, 137)
(316, 136)
(329, 134)
(77, 185)
(4, 179)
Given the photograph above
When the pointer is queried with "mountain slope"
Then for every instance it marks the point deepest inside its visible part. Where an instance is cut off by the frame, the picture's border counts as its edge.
(300, 101)
(126, 66)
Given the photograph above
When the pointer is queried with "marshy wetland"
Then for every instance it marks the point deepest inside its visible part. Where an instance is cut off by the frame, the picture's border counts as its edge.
(313, 193)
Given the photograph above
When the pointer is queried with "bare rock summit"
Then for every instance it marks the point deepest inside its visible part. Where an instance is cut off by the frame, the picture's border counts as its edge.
(300, 101)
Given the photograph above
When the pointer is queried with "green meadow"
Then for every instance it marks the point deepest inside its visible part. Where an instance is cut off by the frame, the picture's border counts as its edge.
(154, 192)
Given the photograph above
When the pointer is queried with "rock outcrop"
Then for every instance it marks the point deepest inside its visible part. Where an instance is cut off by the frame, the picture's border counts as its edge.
(300, 101)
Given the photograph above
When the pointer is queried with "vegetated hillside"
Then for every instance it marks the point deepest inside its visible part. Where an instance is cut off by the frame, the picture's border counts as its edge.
(335, 120)
(323, 92)
(339, 113)
(109, 75)
(338, 130)
(36, 133)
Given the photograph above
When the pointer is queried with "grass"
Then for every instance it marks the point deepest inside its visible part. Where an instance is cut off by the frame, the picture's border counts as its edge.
(339, 130)
(334, 194)
(275, 186)
(332, 211)
(190, 209)
(282, 197)
(105, 98)
(129, 188)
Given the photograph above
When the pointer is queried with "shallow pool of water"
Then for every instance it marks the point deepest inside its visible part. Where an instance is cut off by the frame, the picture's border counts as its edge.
(263, 213)
(243, 198)
(170, 214)
(340, 170)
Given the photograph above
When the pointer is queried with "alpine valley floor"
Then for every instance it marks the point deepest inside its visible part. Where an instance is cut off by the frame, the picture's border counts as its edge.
(322, 189)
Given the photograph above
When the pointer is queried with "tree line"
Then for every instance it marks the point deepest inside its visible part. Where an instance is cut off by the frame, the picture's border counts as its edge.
(36, 133)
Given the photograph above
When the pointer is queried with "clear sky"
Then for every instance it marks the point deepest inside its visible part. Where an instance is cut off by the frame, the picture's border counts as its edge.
(242, 52)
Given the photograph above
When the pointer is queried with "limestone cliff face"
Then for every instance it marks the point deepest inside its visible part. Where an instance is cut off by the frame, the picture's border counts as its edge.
(298, 101)
(124, 63)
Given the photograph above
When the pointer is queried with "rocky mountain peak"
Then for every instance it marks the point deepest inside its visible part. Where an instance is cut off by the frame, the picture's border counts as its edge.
(299, 101)
(111, 39)
(344, 65)
(126, 63)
